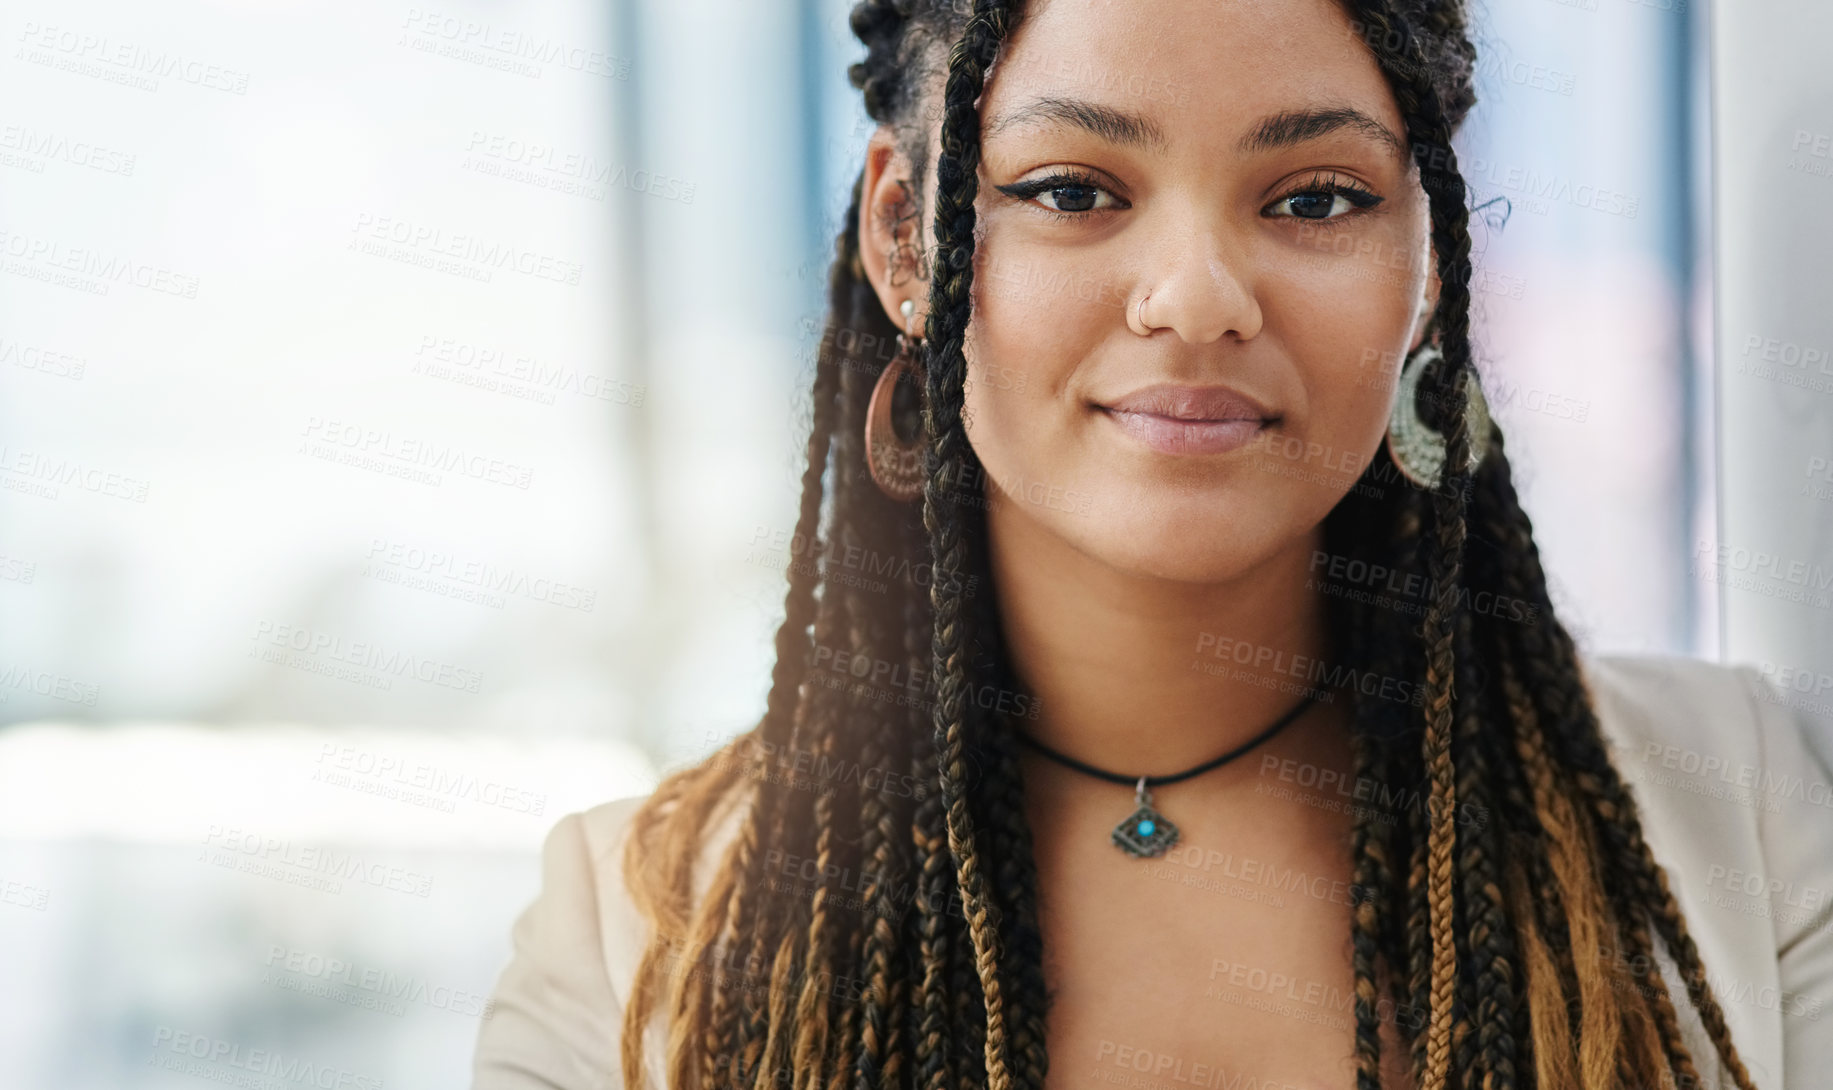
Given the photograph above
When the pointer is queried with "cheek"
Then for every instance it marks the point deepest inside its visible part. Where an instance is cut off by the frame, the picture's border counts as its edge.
(1346, 323)
(1038, 310)
(1033, 321)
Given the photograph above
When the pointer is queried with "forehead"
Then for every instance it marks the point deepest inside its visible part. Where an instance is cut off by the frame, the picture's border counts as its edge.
(1204, 73)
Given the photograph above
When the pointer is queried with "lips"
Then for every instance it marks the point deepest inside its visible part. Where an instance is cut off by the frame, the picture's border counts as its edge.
(1189, 419)
(1194, 403)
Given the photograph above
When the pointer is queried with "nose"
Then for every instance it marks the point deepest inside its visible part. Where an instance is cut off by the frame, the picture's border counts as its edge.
(1202, 284)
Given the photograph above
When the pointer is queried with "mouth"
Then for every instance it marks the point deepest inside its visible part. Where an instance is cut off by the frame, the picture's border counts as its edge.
(1189, 419)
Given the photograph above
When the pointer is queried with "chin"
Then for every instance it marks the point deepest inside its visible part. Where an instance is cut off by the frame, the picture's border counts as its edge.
(1182, 538)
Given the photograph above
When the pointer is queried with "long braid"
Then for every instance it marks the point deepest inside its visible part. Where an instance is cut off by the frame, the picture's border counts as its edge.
(950, 296)
(1371, 843)
(1596, 1032)
(886, 848)
(932, 1054)
(1401, 655)
(1468, 1067)
(867, 1050)
(1440, 695)
(935, 886)
(1470, 1063)
(1492, 935)
(1430, 131)
(916, 1011)
(789, 1042)
(877, 836)
(1373, 644)
(1017, 874)
(813, 1046)
(1418, 932)
(968, 1010)
(1515, 830)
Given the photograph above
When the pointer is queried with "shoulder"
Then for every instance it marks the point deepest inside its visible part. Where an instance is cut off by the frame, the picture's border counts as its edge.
(1687, 736)
(1684, 734)
(1710, 750)
(1720, 733)
(1735, 787)
(557, 1010)
(605, 833)
(1656, 703)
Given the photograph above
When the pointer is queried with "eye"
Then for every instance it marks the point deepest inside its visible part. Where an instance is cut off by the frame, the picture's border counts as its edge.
(1069, 194)
(1325, 197)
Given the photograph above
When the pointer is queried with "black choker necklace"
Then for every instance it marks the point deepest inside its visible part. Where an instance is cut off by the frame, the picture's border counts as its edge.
(1146, 832)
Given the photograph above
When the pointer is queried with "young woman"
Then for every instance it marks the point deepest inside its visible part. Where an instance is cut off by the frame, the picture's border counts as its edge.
(1169, 692)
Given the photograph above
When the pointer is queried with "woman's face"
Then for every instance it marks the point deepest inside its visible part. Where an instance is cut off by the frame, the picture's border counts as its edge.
(1241, 168)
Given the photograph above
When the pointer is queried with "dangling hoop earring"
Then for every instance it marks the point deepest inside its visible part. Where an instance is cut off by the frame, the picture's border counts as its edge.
(1418, 451)
(897, 467)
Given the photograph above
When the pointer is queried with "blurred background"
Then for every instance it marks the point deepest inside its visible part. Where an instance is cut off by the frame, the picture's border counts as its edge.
(398, 404)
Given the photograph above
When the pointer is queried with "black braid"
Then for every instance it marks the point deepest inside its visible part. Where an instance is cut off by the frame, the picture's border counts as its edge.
(1017, 877)
(1494, 961)
(930, 1022)
(957, 184)
(885, 844)
(838, 833)
(1438, 961)
(1375, 642)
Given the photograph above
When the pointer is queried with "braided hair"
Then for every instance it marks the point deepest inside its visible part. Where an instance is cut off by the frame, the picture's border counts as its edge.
(873, 921)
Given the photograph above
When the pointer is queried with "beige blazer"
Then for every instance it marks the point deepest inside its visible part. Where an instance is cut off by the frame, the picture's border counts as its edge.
(1736, 793)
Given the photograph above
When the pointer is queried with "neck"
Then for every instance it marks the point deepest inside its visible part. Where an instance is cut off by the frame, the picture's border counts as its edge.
(1146, 676)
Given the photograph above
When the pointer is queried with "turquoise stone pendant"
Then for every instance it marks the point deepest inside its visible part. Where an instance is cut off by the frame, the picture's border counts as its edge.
(1145, 833)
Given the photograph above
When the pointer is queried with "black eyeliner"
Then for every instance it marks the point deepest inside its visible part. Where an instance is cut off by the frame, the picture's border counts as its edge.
(1030, 189)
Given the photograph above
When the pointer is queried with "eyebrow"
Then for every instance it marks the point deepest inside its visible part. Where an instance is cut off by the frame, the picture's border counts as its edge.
(1289, 127)
(1114, 126)
(1281, 130)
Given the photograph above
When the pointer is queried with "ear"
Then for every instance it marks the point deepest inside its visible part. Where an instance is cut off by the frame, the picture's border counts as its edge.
(1430, 303)
(891, 230)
